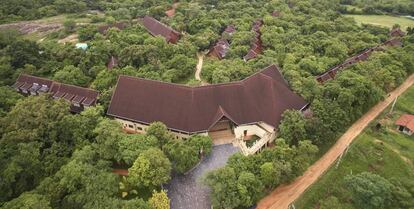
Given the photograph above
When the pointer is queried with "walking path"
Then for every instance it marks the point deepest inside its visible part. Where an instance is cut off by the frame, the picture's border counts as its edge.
(199, 67)
(284, 195)
(188, 191)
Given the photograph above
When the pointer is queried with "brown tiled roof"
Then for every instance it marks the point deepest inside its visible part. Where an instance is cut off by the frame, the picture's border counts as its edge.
(157, 28)
(394, 42)
(256, 46)
(263, 96)
(230, 29)
(330, 74)
(220, 49)
(397, 32)
(406, 120)
(74, 94)
(222, 46)
(32, 84)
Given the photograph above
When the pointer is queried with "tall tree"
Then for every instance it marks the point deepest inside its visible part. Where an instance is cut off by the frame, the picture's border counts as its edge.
(151, 169)
(159, 200)
(369, 190)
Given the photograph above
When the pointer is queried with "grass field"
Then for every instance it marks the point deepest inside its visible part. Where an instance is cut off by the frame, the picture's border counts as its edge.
(385, 152)
(383, 20)
(82, 19)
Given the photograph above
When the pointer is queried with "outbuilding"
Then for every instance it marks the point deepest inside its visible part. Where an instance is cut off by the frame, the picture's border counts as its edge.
(406, 124)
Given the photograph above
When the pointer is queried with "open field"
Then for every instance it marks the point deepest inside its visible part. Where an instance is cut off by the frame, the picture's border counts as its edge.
(38, 29)
(385, 152)
(383, 20)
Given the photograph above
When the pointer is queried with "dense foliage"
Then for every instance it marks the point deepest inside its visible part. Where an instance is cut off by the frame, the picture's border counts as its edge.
(398, 7)
(50, 158)
(53, 159)
(246, 179)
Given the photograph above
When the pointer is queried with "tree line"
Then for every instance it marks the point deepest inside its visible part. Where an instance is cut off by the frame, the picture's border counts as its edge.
(46, 152)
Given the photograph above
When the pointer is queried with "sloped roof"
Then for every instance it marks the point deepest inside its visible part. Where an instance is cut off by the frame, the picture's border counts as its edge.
(25, 82)
(230, 29)
(397, 32)
(256, 46)
(330, 74)
(73, 94)
(81, 95)
(263, 96)
(220, 49)
(157, 28)
(406, 120)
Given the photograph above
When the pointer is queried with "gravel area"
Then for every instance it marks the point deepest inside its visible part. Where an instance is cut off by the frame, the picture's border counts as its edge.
(187, 191)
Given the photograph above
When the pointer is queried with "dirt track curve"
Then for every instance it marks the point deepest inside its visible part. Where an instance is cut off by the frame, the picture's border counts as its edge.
(199, 66)
(284, 195)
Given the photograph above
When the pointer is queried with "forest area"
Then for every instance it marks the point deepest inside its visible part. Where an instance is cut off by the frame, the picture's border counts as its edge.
(50, 158)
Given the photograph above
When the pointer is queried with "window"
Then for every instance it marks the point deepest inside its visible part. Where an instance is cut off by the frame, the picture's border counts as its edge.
(130, 126)
(245, 132)
(139, 128)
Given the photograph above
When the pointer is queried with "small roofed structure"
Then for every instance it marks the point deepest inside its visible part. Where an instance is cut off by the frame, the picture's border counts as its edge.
(112, 62)
(276, 14)
(222, 46)
(397, 32)
(230, 29)
(220, 49)
(157, 28)
(256, 46)
(103, 29)
(406, 124)
(79, 97)
(395, 42)
(331, 73)
(171, 11)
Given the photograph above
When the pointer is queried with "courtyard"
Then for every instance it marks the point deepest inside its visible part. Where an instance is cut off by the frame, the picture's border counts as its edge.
(187, 191)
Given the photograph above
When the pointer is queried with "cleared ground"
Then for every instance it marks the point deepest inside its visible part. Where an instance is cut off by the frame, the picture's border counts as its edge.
(385, 152)
(37, 30)
(383, 20)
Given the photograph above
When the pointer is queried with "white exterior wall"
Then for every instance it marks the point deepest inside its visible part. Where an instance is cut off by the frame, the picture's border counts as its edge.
(142, 129)
(407, 131)
(251, 130)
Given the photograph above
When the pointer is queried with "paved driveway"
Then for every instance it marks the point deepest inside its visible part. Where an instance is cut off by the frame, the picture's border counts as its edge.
(187, 191)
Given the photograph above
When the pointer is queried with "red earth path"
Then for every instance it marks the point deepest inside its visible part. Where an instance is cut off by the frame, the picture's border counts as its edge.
(284, 195)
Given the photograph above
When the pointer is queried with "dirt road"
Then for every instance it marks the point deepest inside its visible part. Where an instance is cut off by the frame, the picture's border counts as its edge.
(199, 67)
(284, 195)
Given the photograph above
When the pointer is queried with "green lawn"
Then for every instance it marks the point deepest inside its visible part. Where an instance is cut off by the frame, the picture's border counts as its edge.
(383, 20)
(385, 152)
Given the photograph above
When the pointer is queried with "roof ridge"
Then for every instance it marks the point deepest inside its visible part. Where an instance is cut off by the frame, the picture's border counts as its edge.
(161, 23)
(78, 87)
(24, 74)
(240, 82)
